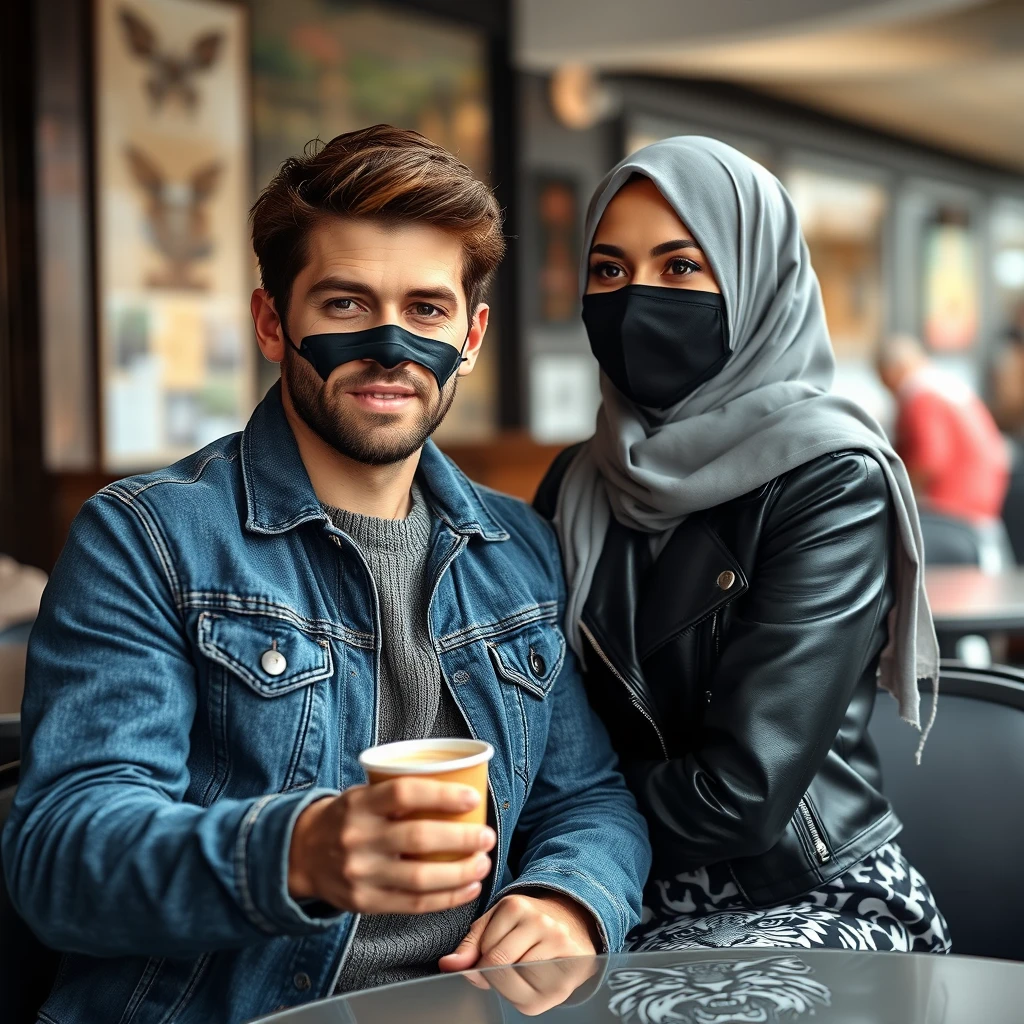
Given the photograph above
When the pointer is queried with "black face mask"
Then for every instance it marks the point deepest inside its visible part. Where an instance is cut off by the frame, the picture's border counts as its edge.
(657, 345)
(387, 344)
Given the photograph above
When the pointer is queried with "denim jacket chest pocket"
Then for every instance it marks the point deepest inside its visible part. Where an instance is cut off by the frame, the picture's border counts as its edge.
(266, 703)
(526, 664)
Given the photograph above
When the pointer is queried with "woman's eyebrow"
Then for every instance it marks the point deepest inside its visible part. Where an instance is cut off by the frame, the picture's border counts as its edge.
(608, 250)
(673, 246)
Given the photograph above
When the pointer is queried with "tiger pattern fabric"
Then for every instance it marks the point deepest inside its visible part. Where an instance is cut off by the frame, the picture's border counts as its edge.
(883, 903)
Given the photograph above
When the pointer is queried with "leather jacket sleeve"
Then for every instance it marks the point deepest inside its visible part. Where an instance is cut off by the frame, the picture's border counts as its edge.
(797, 644)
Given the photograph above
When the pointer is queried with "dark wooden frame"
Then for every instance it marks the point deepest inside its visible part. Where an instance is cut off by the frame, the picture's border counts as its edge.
(23, 492)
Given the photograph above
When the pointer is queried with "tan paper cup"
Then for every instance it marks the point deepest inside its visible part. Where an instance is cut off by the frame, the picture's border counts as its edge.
(446, 760)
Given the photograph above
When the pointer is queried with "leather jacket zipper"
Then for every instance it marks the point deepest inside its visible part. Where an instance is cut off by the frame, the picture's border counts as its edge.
(635, 699)
(812, 827)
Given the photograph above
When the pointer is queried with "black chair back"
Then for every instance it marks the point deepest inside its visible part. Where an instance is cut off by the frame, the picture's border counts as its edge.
(27, 967)
(961, 808)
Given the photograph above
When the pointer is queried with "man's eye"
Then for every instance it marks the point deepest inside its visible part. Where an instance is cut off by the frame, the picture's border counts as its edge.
(343, 305)
(426, 310)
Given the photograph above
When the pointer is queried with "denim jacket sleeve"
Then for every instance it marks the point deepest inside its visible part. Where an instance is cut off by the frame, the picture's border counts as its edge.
(101, 852)
(581, 832)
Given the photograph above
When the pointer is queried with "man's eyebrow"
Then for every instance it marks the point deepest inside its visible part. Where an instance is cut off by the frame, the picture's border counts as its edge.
(603, 249)
(673, 246)
(439, 293)
(339, 284)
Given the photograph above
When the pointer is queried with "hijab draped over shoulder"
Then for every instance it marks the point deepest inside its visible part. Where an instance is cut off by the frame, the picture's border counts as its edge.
(768, 411)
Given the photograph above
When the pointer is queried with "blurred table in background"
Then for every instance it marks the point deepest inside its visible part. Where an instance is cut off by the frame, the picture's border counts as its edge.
(965, 600)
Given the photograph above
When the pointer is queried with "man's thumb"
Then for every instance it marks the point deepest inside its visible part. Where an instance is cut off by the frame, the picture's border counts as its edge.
(467, 952)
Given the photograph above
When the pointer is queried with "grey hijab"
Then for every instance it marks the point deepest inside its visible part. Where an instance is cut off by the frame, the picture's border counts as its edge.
(767, 412)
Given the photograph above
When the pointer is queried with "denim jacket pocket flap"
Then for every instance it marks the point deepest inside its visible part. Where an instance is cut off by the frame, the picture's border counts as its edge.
(269, 654)
(532, 658)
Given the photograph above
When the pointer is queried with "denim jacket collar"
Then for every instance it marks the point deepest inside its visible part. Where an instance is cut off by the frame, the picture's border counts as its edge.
(280, 496)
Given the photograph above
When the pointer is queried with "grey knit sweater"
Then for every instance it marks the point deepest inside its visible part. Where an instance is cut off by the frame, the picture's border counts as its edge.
(414, 703)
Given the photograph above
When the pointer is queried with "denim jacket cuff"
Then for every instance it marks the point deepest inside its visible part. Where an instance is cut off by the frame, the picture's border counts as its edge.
(261, 866)
(614, 919)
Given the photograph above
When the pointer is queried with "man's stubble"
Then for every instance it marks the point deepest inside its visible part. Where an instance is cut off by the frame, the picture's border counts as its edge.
(371, 439)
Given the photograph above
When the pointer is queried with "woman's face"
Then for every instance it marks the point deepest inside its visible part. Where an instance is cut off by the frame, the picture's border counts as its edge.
(641, 240)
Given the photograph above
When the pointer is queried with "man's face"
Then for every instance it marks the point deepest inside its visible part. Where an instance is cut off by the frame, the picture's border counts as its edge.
(361, 274)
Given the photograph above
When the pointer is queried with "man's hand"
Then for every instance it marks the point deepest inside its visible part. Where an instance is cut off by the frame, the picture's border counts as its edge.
(523, 929)
(352, 851)
(534, 989)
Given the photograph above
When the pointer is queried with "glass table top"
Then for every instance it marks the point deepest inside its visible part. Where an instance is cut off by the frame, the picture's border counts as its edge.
(751, 986)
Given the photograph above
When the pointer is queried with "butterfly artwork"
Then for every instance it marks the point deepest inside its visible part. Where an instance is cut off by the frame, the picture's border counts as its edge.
(170, 74)
(177, 220)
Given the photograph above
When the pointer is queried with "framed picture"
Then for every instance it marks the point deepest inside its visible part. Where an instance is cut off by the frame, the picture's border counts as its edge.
(556, 215)
(176, 359)
(325, 67)
(950, 299)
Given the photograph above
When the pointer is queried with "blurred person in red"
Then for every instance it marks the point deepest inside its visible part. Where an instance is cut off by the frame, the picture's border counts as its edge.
(959, 463)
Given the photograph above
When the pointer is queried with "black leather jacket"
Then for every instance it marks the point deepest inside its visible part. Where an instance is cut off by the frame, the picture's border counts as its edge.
(736, 674)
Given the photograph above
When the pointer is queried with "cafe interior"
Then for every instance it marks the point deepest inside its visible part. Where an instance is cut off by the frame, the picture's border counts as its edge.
(136, 134)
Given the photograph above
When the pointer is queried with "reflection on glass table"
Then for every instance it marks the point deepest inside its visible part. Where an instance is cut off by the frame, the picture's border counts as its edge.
(719, 986)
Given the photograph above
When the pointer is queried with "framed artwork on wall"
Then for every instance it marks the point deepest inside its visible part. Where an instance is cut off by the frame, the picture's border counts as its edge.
(556, 213)
(950, 286)
(325, 67)
(173, 183)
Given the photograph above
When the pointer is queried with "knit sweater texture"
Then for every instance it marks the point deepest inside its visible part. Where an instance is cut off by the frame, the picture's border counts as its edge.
(413, 703)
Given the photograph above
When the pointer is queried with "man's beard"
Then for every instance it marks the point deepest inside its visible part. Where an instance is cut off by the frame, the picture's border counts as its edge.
(372, 439)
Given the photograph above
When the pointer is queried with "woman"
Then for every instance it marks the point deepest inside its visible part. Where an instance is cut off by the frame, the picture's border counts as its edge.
(744, 567)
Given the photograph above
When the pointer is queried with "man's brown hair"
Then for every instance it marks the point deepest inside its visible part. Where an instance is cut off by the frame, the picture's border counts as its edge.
(381, 173)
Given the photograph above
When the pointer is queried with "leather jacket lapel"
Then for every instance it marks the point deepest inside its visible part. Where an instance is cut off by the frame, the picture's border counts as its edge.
(610, 609)
(695, 575)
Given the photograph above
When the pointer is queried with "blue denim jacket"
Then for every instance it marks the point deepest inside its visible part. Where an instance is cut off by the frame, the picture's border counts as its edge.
(164, 768)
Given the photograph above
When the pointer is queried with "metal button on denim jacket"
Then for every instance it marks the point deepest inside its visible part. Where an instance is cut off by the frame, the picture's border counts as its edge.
(204, 666)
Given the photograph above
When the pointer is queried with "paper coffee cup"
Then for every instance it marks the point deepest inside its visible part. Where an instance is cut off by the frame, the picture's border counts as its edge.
(459, 761)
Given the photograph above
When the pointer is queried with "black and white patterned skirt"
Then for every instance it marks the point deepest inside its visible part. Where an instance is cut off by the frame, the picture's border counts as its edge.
(882, 903)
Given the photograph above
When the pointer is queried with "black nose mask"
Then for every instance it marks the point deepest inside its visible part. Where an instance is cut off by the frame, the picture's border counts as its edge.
(387, 344)
(657, 345)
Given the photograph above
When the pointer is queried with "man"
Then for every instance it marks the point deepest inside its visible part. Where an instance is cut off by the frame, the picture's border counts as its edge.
(957, 460)
(221, 639)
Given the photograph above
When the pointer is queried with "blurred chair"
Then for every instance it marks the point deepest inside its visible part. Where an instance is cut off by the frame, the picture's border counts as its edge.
(1013, 506)
(949, 541)
(27, 967)
(960, 808)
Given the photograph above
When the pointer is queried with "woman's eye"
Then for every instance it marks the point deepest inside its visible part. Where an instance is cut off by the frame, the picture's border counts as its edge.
(683, 267)
(608, 271)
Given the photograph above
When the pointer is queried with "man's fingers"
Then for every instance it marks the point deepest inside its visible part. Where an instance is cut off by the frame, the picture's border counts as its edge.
(510, 948)
(409, 794)
(467, 952)
(412, 837)
(428, 876)
(388, 901)
(507, 916)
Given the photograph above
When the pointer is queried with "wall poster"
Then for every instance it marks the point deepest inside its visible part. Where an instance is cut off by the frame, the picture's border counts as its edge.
(173, 185)
(324, 67)
(556, 210)
(950, 300)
